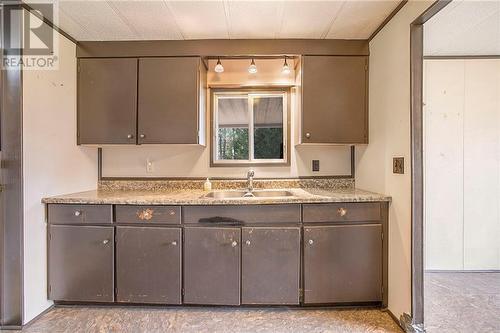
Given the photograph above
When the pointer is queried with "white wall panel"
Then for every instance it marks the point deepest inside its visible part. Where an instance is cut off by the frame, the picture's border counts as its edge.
(481, 165)
(444, 164)
(52, 163)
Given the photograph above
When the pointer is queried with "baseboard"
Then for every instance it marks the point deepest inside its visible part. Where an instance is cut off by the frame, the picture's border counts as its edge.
(462, 271)
(11, 328)
(394, 318)
(37, 317)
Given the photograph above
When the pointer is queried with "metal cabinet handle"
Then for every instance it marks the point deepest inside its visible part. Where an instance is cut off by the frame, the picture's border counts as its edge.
(342, 211)
(174, 243)
(308, 135)
(247, 242)
(78, 213)
(172, 212)
(130, 136)
(311, 242)
(142, 136)
(234, 243)
(106, 241)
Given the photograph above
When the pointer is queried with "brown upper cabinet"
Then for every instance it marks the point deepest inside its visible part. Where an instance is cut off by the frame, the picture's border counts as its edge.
(141, 101)
(107, 101)
(334, 100)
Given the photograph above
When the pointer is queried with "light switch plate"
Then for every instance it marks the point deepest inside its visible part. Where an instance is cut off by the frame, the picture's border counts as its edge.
(398, 165)
(315, 165)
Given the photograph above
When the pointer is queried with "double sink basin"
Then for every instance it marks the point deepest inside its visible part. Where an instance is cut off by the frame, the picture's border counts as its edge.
(246, 194)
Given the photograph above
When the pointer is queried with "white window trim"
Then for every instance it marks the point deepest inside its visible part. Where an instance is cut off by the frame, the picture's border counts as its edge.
(250, 97)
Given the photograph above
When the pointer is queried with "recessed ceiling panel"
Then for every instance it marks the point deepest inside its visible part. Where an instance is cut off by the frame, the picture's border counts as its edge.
(98, 19)
(359, 19)
(254, 19)
(201, 19)
(148, 19)
(308, 19)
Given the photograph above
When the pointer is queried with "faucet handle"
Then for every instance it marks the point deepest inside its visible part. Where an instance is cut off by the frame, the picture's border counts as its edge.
(251, 173)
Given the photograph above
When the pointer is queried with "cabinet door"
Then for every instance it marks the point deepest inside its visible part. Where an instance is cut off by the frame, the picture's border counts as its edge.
(212, 265)
(334, 99)
(343, 263)
(168, 100)
(107, 101)
(81, 263)
(270, 265)
(148, 265)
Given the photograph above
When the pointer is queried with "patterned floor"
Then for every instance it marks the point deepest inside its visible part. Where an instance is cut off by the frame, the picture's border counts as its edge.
(203, 319)
(462, 302)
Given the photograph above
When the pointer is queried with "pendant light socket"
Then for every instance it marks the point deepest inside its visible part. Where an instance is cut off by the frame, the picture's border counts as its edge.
(252, 69)
(286, 69)
(219, 68)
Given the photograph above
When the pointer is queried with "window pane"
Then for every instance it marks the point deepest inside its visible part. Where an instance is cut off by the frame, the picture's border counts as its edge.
(268, 127)
(232, 128)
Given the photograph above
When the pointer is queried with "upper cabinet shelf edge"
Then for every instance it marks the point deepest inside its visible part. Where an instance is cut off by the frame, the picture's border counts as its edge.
(334, 100)
(141, 101)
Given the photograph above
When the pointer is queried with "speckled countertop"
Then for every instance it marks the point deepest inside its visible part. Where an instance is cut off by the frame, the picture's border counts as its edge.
(197, 197)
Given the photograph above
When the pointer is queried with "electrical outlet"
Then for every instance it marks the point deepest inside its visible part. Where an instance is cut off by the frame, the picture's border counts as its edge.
(149, 166)
(315, 165)
(398, 165)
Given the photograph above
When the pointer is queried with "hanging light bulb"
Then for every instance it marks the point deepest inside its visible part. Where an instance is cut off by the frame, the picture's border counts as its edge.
(252, 69)
(286, 68)
(219, 68)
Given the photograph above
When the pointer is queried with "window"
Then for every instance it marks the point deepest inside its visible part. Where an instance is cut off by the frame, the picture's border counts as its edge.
(249, 127)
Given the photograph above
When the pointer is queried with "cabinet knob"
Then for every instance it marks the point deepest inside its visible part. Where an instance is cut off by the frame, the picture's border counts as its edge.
(311, 242)
(172, 213)
(174, 243)
(234, 243)
(247, 242)
(78, 213)
(142, 136)
(130, 136)
(308, 135)
(106, 241)
(342, 211)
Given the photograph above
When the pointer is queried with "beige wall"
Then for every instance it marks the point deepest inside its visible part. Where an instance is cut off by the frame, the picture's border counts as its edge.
(194, 161)
(52, 163)
(462, 169)
(390, 137)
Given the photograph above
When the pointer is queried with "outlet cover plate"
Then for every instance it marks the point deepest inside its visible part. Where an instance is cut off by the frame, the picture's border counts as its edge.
(398, 165)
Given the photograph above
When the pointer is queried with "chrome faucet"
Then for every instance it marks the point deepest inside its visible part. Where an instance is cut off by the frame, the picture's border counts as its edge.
(250, 175)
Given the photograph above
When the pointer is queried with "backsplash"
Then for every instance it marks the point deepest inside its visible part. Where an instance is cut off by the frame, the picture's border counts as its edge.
(161, 185)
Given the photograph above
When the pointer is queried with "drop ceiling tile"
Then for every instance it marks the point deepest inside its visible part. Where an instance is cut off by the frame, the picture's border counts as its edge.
(359, 19)
(312, 19)
(254, 19)
(98, 19)
(200, 19)
(151, 20)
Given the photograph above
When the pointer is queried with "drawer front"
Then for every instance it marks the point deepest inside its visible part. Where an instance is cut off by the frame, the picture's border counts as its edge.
(342, 212)
(87, 214)
(248, 214)
(148, 214)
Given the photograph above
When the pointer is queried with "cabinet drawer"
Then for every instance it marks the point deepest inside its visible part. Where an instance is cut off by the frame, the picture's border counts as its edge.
(67, 214)
(242, 214)
(340, 212)
(148, 214)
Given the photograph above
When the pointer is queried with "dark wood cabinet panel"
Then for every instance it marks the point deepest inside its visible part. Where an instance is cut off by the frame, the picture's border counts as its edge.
(148, 265)
(147, 214)
(81, 264)
(212, 265)
(343, 263)
(334, 99)
(169, 100)
(342, 212)
(107, 101)
(76, 214)
(270, 265)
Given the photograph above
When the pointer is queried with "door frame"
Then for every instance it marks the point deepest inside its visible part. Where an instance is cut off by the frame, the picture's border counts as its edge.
(416, 322)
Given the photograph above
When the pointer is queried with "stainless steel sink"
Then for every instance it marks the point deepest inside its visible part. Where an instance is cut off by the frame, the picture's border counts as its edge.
(246, 194)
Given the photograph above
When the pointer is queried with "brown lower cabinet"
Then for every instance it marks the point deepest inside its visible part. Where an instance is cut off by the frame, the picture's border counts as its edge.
(212, 265)
(270, 265)
(343, 263)
(81, 263)
(148, 265)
